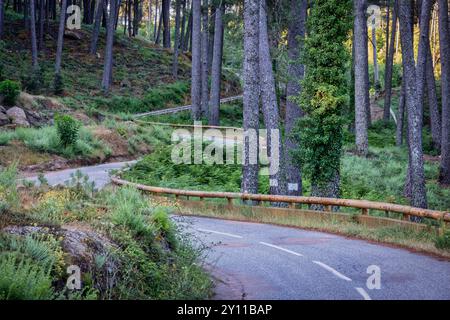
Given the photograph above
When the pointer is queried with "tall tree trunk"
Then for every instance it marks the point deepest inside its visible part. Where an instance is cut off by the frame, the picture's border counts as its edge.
(156, 20)
(187, 36)
(216, 69)
(296, 70)
(158, 33)
(1, 18)
(400, 117)
(177, 39)
(250, 166)
(41, 24)
(444, 44)
(211, 29)
(204, 49)
(435, 117)
(96, 29)
(34, 51)
(376, 73)
(413, 107)
(166, 23)
(183, 25)
(60, 41)
(389, 65)
(196, 89)
(362, 100)
(108, 62)
(270, 107)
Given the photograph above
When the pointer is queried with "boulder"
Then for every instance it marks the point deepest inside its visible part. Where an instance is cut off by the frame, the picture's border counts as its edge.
(18, 117)
(4, 119)
(2, 109)
(37, 119)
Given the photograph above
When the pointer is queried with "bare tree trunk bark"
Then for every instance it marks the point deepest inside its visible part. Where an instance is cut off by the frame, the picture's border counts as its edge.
(204, 49)
(435, 117)
(96, 29)
(444, 42)
(196, 89)
(270, 107)
(187, 36)
(211, 29)
(250, 166)
(41, 24)
(376, 73)
(296, 71)
(389, 65)
(34, 51)
(183, 25)
(158, 32)
(362, 100)
(400, 117)
(413, 106)
(60, 41)
(177, 39)
(166, 24)
(2, 18)
(108, 62)
(216, 69)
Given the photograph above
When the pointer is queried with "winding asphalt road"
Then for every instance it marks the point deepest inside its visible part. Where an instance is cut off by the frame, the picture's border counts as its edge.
(257, 261)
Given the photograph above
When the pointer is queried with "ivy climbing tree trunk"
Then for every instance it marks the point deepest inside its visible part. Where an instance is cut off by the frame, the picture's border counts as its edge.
(361, 77)
(270, 108)
(296, 70)
(196, 88)
(324, 96)
(216, 70)
(444, 43)
(413, 108)
(250, 166)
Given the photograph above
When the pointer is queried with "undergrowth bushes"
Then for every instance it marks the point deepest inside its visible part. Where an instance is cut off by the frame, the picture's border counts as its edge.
(46, 139)
(154, 99)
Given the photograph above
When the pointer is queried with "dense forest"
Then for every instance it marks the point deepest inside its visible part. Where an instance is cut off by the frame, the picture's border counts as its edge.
(353, 99)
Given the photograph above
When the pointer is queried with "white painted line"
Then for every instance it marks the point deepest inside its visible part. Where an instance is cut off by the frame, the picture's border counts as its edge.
(282, 249)
(364, 294)
(333, 271)
(221, 233)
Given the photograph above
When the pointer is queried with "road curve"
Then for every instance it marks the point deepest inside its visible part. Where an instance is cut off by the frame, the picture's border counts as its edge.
(258, 261)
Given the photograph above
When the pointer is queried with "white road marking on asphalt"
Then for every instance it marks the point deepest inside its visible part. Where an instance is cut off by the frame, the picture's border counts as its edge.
(333, 271)
(221, 233)
(364, 294)
(282, 249)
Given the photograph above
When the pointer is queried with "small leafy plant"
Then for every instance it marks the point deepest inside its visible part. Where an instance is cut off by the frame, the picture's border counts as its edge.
(10, 91)
(68, 129)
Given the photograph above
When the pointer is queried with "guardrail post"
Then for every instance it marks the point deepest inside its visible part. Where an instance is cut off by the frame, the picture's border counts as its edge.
(292, 205)
(405, 217)
(230, 202)
(365, 211)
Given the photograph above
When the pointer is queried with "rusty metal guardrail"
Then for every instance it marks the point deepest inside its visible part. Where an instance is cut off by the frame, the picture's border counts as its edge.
(328, 203)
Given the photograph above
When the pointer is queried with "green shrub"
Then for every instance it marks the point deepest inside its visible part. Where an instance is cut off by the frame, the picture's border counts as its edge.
(10, 90)
(443, 241)
(21, 279)
(9, 197)
(68, 129)
(33, 81)
(58, 86)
